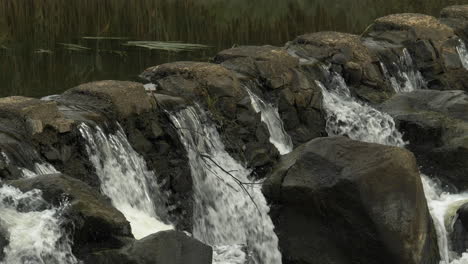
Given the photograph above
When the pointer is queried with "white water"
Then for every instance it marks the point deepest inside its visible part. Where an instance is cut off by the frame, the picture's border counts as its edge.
(463, 53)
(408, 78)
(348, 117)
(125, 179)
(270, 116)
(35, 235)
(226, 213)
(43, 168)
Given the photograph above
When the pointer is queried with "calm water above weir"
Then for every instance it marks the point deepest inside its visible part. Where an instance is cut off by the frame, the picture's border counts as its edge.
(49, 46)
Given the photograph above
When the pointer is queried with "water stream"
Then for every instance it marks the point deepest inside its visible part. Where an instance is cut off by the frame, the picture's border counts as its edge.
(34, 229)
(126, 179)
(230, 211)
(463, 53)
(349, 117)
(270, 116)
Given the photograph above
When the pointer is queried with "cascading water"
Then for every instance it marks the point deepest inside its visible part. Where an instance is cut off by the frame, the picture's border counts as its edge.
(43, 168)
(229, 209)
(270, 116)
(125, 179)
(34, 233)
(463, 53)
(407, 77)
(346, 116)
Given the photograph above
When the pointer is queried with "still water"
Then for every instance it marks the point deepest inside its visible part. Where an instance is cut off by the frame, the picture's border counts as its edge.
(48, 46)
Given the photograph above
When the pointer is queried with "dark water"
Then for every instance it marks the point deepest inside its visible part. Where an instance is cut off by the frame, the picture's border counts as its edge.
(36, 57)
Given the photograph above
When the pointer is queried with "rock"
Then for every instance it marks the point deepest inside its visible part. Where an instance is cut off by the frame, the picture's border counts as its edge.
(217, 90)
(94, 222)
(124, 98)
(436, 125)
(346, 53)
(459, 235)
(4, 240)
(335, 200)
(277, 78)
(431, 44)
(167, 247)
(456, 17)
(31, 115)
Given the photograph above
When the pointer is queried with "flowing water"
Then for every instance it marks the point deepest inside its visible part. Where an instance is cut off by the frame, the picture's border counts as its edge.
(349, 117)
(35, 233)
(463, 53)
(270, 116)
(126, 179)
(230, 210)
(406, 77)
(42, 168)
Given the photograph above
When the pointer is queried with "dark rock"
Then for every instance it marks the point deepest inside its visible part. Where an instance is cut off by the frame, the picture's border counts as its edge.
(362, 69)
(4, 240)
(94, 223)
(335, 200)
(457, 18)
(276, 77)
(436, 125)
(217, 90)
(167, 247)
(431, 44)
(459, 234)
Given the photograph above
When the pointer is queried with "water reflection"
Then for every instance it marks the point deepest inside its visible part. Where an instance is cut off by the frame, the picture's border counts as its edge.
(34, 63)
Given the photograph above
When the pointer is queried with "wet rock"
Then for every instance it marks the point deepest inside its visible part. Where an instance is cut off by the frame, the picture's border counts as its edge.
(456, 17)
(431, 44)
(4, 240)
(335, 200)
(94, 223)
(167, 247)
(361, 66)
(436, 125)
(276, 77)
(459, 234)
(217, 90)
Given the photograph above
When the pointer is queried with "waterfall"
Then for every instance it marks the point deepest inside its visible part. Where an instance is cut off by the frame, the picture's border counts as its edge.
(42, 168)
(406, 77)
(348, 117)
(229, 209)
(125, 179)
(270, 116)
(463, 53)
(34, 233)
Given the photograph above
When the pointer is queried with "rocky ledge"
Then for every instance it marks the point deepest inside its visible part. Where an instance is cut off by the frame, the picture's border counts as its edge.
(333, 199)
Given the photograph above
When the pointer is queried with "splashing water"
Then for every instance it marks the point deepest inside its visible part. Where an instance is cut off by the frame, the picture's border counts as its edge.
(270, 116)
(35, 234)
(407, 77)
(125, 179)
(43, 168)
(348, 117)
(463, 53)
(229, 209)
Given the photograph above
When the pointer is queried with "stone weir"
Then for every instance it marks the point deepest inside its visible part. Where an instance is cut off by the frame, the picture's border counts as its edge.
(332, 199)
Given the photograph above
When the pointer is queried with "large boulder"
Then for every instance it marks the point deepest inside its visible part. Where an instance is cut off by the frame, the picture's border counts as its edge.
(431, 44)
(435, 124)
(459, 230)
(349, 56)
(457, 18)
(167, 247)
(94, 222)
(218, 90)
(277, 78)
(335, 200)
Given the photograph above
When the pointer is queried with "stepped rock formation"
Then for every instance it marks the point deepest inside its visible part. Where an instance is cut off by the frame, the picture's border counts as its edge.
(333, 200)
